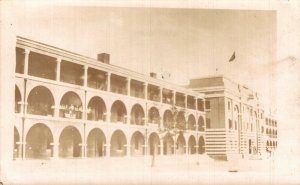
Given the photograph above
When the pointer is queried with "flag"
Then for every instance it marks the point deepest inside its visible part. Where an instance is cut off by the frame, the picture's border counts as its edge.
(232, 57)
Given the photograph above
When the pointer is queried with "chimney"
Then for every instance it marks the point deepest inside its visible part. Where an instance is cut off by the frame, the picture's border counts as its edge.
(153, 75)
(103, 57)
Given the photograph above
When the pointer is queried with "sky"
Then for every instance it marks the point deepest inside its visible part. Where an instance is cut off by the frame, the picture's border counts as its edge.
(186, 41)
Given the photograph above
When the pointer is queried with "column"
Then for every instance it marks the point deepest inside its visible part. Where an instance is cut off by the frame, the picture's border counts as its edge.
(107, 150)
(55, 150)
(174, 98)
(24, 149)
(107, 116)
(185, 100)
(128, 86)
(196, 103)
(186, 149)
(58, 60)
(26, 52)
(161, 94)
(161, 147)
(128, 148)
(108, 75)
(146, 90)
(128, 118)
(85, 76)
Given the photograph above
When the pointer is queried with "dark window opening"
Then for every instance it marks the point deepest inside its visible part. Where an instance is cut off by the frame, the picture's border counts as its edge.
(97, 79)
(20, 60)
(137, 89)
(118, 84)
(42, 66)
(153, 93)
(71, 73)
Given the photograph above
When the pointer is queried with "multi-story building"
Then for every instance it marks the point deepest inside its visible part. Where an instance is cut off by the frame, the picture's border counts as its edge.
(68, 106)
(235, 119)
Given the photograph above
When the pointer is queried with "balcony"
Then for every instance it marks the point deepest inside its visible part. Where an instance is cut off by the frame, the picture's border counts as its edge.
(71, 73)
(167, 96)
(180, 100)
(118, 84)
(137, 89)
(97, 79)
(153, 93)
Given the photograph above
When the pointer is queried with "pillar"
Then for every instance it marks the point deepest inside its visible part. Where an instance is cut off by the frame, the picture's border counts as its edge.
(185, 101)
(128, 86)
(26, 53)
(174, 98)
(108, 75)
(128, 150)
(85, 76)
(186, 147)
(161, 94)
(107, 150)
(196, 103)
(55, 150)
(58, 60)
(146, 90)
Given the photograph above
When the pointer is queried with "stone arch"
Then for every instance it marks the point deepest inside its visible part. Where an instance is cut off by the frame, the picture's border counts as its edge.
(168, 144)
(168, 119)
(71, 106)
(137, 115)
(17, 146)
(180, 120)
(153, 115)
(154, 144)
(39, 141)
(70, 143)
(18, 99)
(180, 145)
(118, 144)
(201, 124)
(201, 146)
(96, 143)
(191, 122)
(192, 145)
(137, 143)
(118, 112)
(96, 109)
(40, 101)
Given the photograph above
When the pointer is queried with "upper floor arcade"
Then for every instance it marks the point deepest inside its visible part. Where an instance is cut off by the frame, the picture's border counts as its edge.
(39, 61)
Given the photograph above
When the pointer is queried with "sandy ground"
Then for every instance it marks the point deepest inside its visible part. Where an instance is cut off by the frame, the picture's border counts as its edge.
(167, 170)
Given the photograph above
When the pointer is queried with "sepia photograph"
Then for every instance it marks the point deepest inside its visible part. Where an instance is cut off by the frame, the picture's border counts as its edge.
(149, 92)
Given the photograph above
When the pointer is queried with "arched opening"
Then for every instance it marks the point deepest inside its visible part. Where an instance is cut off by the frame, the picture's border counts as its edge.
(96, 109)
(137, 143)
(70, 143)
(180, 145)
(191, 122)
(70, 106)
(168, 145)
(118, 144)
(192, 145)
(17, 146)
(201, 145)
(268, 146)
(180, 121)
(95, 143)
(236, 117)
(154, 143)
(118, 112)
(153, 116)
(137, 115)
(201, 124)
(38, 142)
(17, 100)
(168, 119)
(40, 101)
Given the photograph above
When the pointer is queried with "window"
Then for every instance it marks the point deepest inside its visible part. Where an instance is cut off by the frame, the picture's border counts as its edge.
(20, 59)
(42, 66)
(207, 104)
